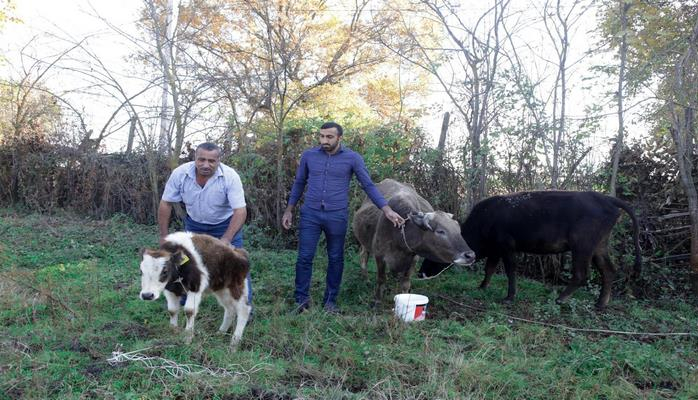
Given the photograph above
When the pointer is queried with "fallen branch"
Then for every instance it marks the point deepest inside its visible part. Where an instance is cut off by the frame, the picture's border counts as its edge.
(569, 328)
(179, 370)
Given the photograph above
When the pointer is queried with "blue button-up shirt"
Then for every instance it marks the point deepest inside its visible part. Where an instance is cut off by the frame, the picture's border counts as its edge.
(327, 177)
(211, 204)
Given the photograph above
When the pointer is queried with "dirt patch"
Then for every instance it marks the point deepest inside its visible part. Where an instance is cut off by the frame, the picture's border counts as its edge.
(257, 393)
(94, 370)
(135, 331)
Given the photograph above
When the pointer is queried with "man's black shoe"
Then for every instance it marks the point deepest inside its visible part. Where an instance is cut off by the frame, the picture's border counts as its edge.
(331, 308)
(301, 308)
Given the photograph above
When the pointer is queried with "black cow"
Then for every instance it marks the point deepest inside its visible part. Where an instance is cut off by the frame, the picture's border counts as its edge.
(545, 222)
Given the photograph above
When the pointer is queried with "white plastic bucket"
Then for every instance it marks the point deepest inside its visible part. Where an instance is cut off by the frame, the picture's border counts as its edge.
(411, 307)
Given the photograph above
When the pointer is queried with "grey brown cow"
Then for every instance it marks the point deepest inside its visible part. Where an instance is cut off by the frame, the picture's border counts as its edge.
(434, 235)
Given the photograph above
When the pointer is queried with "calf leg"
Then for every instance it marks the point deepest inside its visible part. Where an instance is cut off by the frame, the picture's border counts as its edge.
(490, 267)
(172, 307)
(602, 261)
(226, 301)
(580, 264)
(243, 310)
(191, 308)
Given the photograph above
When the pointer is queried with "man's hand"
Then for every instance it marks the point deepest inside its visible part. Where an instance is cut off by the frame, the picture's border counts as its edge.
(393, 217)
(287, 219)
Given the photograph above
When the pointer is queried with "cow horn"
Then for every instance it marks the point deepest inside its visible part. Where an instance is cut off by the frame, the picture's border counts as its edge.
(422, 219)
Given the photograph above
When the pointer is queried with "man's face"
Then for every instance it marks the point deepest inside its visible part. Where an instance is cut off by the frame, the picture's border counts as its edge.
(206, 162)
(329, 140)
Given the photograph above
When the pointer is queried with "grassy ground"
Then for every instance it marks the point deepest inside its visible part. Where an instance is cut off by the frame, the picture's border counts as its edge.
(69, 299)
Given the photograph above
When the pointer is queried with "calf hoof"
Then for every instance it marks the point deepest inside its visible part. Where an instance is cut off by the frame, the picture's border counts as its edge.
(188, 338)
(600, 307)
(482, 286)
(559, 301)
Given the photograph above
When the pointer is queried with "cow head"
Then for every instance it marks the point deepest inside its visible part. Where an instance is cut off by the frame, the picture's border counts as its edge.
(158, 268)
(439, 238)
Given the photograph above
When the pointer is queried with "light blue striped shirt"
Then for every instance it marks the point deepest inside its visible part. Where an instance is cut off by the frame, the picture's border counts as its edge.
(212, 204)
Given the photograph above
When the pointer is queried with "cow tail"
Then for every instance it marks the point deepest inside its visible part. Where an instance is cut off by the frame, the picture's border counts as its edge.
(636, 234)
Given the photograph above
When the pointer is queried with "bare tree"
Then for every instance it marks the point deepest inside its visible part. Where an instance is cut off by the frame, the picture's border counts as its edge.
(623, 6)
(682, 112)
(281, 57)
(559, 19)
(466, 71)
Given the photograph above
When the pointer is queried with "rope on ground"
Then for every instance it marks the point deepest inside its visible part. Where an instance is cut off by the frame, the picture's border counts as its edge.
(569, 328)
(180, 370)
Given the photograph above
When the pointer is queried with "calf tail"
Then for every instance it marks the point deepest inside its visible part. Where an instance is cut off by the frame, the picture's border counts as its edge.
(636, 234)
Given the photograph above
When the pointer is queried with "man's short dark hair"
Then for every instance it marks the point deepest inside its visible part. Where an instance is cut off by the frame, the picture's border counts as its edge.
(330, 125)
(208, 146)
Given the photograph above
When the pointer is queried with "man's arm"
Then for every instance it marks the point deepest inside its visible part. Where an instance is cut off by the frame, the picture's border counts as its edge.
(296, 192)
(164, 213)
(372, 192)
(288, 217)
(239, 217)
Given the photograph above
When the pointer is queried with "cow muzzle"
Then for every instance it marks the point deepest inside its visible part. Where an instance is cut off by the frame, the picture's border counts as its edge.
(147, 296)
(465, 258)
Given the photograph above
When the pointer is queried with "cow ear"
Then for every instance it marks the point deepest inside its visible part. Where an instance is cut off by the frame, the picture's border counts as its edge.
(143, 251)
(176, 257)
(449, 215)
(422, 220)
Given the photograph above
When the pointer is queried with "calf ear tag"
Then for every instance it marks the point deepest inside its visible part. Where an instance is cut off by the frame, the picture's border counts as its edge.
(185, 259)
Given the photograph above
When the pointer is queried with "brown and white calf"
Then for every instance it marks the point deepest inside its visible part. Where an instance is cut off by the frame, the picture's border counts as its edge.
(192, 264)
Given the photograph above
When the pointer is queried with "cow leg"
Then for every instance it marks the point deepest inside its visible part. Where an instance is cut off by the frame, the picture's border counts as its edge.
(172, 307)
(580, 264)
(363, 259)
(191, 308)
(510, 269)
(490, 268)
(405, 283)
(602, 261)
(380, 281)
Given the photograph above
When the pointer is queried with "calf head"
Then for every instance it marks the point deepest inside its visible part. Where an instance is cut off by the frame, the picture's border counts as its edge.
(441, 239)
(158, 268)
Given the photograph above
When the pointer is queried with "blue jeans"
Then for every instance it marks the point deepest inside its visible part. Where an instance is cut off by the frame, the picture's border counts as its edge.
(312, 223)
(218, 231)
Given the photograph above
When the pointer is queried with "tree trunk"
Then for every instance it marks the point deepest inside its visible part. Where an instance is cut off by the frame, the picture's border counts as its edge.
(442, 136)
(623, 52)
(682, 112)
(131, 135)
(279, 201)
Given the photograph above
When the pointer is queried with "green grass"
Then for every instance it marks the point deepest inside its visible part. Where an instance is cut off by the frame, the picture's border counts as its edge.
(69, 298)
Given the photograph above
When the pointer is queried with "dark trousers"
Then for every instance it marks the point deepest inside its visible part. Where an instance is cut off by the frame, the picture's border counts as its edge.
(312, 223)
(217, 231)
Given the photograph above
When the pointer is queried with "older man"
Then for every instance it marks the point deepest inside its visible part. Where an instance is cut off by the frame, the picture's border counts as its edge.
(213, 195)
(327, 170)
